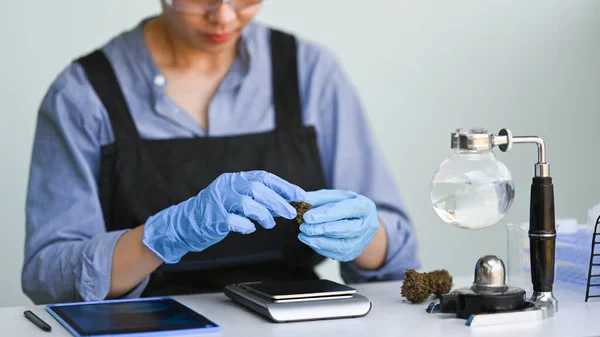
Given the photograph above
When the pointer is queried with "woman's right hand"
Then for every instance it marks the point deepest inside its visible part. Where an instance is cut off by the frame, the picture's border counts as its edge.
(224, 206)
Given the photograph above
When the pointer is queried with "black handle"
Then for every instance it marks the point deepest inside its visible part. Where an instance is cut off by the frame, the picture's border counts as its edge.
(542, 234)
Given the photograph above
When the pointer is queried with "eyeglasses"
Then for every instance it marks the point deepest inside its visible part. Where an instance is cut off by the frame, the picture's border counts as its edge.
(208, 6)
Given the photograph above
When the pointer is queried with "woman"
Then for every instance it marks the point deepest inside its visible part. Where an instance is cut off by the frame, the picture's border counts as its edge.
(165, 163)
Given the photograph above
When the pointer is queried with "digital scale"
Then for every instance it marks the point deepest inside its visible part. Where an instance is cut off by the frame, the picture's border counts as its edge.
(300, 300)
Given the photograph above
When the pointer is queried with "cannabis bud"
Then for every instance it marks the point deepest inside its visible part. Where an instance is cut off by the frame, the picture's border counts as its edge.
(441, 281)
(301, 208)
(418, 287)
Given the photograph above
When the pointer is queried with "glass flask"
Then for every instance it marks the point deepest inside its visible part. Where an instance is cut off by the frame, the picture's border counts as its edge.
(472, 189)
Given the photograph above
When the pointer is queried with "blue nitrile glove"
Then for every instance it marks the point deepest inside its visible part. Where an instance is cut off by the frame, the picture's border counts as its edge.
(340, 225)
(226, 205)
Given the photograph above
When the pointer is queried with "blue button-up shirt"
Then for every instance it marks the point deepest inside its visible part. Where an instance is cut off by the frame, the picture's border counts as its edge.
(68, 252)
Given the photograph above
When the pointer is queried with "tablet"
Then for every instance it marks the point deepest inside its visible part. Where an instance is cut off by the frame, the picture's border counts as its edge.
(141, 317)
(300, 289)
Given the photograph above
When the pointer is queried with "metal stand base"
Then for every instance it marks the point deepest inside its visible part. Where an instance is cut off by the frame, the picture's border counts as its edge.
(534, 313)
(545, 300)
(542, 305)
(529, 314)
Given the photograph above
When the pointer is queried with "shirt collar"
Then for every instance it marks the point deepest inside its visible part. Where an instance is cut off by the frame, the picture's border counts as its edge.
(241, 66)
(238, 70)
(244, 48)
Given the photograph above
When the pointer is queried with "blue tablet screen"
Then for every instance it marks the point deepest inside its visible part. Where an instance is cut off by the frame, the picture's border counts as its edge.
(139, 316)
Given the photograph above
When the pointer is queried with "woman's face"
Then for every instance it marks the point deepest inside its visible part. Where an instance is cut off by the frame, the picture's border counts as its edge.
(214, 31)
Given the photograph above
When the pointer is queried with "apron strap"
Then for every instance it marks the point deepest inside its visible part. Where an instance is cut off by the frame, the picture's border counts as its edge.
(101, 76)
(286, 94)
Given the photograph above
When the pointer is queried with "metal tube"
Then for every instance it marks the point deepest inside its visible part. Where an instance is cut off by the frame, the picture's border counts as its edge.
(532, 139)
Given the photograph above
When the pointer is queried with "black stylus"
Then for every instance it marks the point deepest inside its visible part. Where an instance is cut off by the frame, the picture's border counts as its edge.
(37, 321)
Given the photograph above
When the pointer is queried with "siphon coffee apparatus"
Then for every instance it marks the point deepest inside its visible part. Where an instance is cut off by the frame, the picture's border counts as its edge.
(472, 189)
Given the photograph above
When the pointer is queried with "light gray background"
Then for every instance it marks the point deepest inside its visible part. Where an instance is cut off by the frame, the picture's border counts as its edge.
(422, 68)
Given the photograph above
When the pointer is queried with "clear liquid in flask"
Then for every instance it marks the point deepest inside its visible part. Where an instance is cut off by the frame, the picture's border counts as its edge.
(472, 204)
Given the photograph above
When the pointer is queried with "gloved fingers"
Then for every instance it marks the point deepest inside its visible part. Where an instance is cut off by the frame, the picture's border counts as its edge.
(271, 200)
(322, 197)
(247, 207)
(239, 224)
(345, 228)
(285, 189)
(338, 249)
(355, 207)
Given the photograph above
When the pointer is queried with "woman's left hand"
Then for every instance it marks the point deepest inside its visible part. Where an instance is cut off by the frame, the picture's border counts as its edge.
(340, 225)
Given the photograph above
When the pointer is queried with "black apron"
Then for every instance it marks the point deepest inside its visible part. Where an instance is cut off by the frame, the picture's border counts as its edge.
(140, 177)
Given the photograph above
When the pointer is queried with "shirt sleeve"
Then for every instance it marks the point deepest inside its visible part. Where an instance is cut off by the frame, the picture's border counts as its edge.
(352, 161)
(68, 252)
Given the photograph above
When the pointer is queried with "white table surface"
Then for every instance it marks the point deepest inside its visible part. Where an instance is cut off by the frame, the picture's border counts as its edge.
(391, 315)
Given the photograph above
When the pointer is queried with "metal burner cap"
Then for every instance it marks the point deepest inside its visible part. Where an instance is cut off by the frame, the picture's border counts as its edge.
(490, 273)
